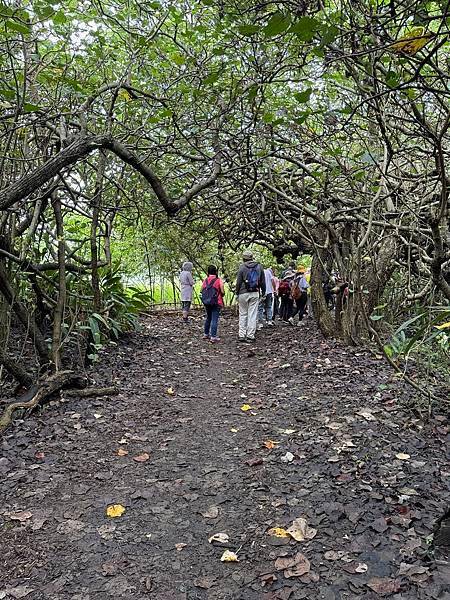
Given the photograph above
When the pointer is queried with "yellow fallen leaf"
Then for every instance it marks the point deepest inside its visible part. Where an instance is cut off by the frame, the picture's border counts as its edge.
(171, 391)
(180, 547)
(412, 42)
(122, 452)
(234, 430)
(270, 444)
(246, 407)
(115, 510)
(402, 456)
(278, 532)
(443, 326)
(228, 556)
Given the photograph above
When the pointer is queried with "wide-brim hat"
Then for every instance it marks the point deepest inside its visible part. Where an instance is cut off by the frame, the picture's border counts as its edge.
(289, 275)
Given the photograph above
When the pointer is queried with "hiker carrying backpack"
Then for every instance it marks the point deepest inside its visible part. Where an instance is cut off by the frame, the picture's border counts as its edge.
(284, 292)
(284, 289)
(250, 285)
(212, 295)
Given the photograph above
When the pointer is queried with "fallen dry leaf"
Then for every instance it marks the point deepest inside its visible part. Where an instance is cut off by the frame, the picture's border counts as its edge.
(234, 430)
(270, 444)
(268, 578)
(254, 462)
(170, 391)
(221, 538)
(21, 516)
(293, 566)
(39, 455)
(142, 457)
(301, 531)
(115, 510)
(334, 555)
(205, 582)
(402, 456)
(383, 585)
(212, 512)
(180, 547)
(278, 532)
(229, 556)
(121, 452)
(246, 407)
(287, 458)
(365, 412)
(20, 591)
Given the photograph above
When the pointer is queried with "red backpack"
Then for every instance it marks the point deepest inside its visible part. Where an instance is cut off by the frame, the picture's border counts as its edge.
(284, 288)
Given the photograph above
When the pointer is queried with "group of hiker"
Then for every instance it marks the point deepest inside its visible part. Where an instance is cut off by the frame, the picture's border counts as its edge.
(261, 295)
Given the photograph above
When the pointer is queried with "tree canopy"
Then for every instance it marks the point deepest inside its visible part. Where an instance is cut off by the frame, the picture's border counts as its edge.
(201, 127)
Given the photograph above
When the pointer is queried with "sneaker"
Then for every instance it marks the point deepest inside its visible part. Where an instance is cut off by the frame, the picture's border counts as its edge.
(206, 337)
(299, 324)
(260, 326)
(270, 323)
(242, 340)
(214, 340)
(250, 340)
(291, 321)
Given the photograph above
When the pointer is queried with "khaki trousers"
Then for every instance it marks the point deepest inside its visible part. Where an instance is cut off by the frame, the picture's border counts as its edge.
(248, 314)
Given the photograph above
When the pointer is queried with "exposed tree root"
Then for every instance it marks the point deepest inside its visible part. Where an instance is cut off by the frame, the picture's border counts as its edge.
(91, 392)
(39, 392)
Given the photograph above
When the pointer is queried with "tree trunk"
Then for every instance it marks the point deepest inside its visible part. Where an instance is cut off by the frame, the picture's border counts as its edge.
(58, 315)
(318, 302)
(27, 320)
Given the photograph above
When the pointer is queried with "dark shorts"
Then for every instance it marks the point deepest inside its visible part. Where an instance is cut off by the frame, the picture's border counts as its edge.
(186, 304)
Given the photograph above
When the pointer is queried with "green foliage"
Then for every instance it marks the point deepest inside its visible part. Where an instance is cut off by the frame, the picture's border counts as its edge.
(122, 306)
(421, 337)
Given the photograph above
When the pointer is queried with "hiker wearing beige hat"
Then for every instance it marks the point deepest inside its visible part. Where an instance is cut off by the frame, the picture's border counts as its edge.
(250, 285)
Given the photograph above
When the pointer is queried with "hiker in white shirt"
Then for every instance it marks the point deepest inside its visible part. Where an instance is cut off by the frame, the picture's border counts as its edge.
(266, 302)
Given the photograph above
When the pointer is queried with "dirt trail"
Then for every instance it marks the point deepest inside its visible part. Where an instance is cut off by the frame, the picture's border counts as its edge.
(367, 475)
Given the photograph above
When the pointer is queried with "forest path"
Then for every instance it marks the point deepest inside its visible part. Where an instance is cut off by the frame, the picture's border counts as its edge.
(338, 412)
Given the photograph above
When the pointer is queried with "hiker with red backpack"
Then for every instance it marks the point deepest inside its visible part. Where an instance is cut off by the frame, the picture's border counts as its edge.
(212, 294)
(299, 294)
(250, 285)
(284, 293)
